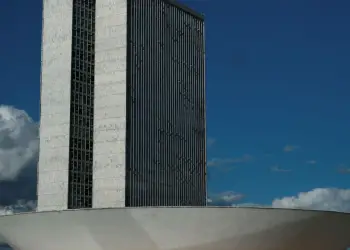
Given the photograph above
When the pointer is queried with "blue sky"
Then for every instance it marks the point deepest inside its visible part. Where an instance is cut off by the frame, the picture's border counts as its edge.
(278, 88)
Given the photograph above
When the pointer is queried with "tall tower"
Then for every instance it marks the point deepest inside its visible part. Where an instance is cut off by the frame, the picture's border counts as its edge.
(122, 105)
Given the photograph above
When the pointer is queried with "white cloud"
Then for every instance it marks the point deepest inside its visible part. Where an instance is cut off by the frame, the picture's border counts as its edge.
(328, 199)
(211, 141)
(225, 198)
(290, 148)
(249, 205)
(276, 168)
(311, 162)
(231, 196)
(20, 206)
(344, 170)
(18, 142)
(219, 161)
(18, 158)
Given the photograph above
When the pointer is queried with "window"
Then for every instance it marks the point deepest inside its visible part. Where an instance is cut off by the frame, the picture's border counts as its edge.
(82, 94)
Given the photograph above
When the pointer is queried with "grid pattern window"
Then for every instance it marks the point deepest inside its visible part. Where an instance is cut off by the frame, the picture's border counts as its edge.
(82, 105)
(166, 106)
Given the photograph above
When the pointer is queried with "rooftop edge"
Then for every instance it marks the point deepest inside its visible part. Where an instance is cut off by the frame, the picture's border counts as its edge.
(182, 207)
(185, 8)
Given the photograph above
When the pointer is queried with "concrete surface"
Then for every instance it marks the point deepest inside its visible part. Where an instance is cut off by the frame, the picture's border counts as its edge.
(110, 104)
(206, 228)
(55, 105)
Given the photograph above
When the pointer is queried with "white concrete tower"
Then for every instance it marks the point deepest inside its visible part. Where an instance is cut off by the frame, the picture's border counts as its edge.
(122, 105)
(55, 105)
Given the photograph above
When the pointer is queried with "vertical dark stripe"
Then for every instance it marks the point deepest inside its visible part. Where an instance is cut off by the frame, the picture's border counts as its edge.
(203, 109)
(82, 105)
(129, 100)
(165, 119)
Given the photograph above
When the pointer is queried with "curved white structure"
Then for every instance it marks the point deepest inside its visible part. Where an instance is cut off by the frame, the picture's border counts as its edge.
(206, 228)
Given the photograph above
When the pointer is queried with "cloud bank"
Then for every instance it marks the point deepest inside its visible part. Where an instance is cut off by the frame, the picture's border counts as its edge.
(330, 199)
(327, 199)
(19, 147)
(18, 142)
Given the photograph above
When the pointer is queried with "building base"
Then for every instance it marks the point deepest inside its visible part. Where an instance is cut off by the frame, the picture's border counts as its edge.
(205, 228)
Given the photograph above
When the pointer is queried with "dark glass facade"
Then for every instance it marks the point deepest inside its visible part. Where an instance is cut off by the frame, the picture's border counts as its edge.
(82, 105)
(166, 131)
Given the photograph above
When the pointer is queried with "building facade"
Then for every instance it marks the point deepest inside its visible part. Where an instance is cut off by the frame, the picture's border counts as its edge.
(122, 105)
